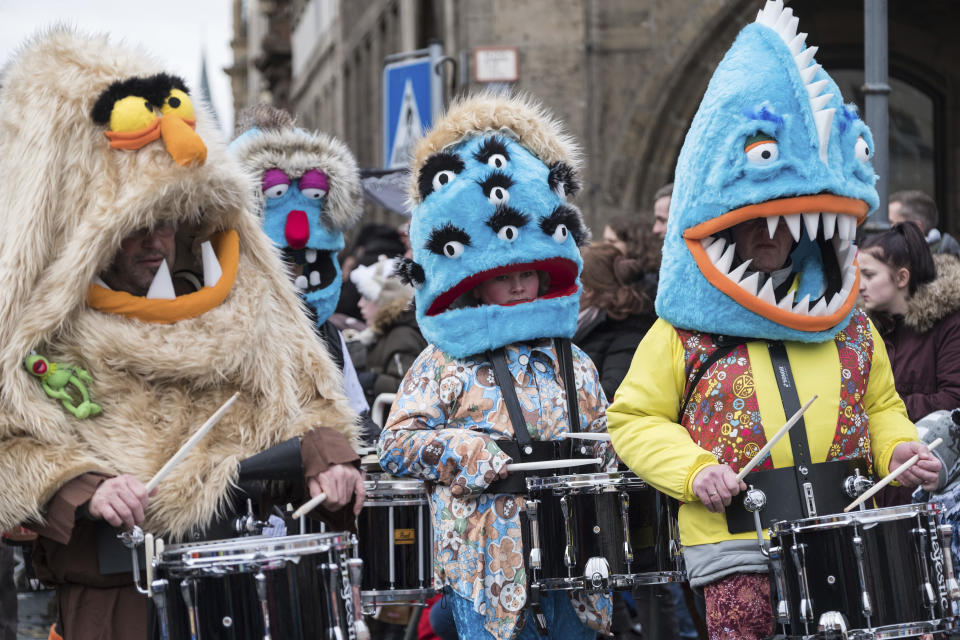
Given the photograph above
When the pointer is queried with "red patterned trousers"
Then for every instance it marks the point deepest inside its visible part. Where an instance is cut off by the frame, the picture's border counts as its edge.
(738, 607)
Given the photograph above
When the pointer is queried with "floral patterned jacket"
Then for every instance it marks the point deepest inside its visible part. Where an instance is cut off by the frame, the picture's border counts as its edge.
(442, 428)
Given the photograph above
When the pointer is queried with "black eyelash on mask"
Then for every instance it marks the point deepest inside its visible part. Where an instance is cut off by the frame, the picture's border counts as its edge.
(562, 173)
(410, 273)
(505, 215)
(442, 235)
(153, 89)
(569, 216)
(436, 163)
(492, 146)
(496, 179)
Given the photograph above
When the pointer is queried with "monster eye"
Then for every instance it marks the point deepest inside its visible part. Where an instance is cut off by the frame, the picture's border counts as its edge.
(495, 188)
(493, 153)
(448, 241)
(862, 150)
(560, 233)
(131, 114)
(439, 170)
(276, 190)
(275, 183)
(563, 179)
(761, 149)
(507, 222)
(178, 103)
(508, 233)
(313, 184)
(565, 220)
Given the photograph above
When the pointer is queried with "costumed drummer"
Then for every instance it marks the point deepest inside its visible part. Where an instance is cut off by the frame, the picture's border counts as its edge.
(772, 180)
(495, 266)
(113, 180)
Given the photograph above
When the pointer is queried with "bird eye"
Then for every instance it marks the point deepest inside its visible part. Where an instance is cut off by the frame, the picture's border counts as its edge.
(862, 150)
(453, 249)
(276, 190)
(497, 161)
(560, 233)
(443, 178)
(762, 152)
(508, 233)
(178, 103)
(131, 114)
(498, 195)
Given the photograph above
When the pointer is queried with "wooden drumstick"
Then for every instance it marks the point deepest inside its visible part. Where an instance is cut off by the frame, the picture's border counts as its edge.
(869, 493)
(601, 437)
(191, 443)
(551, 464)
(779, 434)
(310, 505)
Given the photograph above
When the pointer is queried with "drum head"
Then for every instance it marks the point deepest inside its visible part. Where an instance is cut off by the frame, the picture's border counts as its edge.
(250, 554)
(587, 482)
(867, 516)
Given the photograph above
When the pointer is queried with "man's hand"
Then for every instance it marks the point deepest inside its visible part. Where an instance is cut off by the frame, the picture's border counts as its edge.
(340, 482)
(715, 485)
(925, 472)
(120, 501)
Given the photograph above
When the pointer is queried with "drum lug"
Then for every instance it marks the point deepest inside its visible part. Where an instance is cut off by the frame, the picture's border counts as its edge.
(625, 521)
(329, 572)
(776, 562)
(539, 618)
(865, 605)
(193, 615)
(920, 547)
(532, 517)
(946, 534)
(261, 583)
(355, 574)
(159, 594)
(799, 552)
(833, 626)
(569, 552)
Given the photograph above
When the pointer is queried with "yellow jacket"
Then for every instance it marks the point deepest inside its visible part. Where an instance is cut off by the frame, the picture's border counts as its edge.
(643, 420)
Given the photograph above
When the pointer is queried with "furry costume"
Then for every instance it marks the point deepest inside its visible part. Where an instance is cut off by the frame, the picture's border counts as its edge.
(308, 193)
(159, 367)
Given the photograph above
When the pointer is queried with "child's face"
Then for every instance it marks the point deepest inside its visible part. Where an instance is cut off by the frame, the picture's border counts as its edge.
(509, 288)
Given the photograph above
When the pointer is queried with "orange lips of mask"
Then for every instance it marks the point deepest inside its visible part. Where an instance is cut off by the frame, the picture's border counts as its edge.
(182, 142)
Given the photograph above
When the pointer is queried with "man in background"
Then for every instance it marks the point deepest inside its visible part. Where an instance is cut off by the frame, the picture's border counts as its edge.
(917, 207)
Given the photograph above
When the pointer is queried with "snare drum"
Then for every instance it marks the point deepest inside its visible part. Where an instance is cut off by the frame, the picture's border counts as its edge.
(598, 532)
(255, 588)
(396, 542)
(876, 573)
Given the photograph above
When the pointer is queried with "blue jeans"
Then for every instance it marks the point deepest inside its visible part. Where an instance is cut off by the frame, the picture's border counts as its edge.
(562, 621)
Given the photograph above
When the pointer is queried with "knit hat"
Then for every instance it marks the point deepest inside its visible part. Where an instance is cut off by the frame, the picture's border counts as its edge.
(377, 282)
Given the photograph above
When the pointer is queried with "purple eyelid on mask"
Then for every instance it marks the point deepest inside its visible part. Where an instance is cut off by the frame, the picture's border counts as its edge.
(314, 179)
(273, 177)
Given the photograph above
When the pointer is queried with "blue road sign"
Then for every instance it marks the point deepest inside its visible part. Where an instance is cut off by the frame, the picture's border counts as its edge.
(411, 101)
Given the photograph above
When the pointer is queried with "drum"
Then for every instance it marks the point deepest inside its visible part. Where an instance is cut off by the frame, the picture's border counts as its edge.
(874, 573)
(255, 588)
(599, 531)
(396, 542)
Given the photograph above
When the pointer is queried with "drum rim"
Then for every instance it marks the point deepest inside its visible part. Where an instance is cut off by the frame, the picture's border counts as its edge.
(251, 550)
(379, 484)
(868, 516)
(611, 479)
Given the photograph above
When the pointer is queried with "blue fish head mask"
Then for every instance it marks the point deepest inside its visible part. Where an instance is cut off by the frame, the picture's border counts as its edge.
(490, 187)
(772, 151)
(308, 187)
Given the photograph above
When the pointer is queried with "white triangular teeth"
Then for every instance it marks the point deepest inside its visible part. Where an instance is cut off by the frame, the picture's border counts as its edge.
(819, 309)
(723, 264)
(818, 103)
(829, 224)
(836, 302)
(803, 307)
(845, 257)
(846, 227)
(211, 266)
(766, 293)
(787, 302)
(796, 45)
(849, 277)
(749, 284)
(808, 74)
(790, 30)
(715, 249)
(805, 57)
(772, 222)
(162, 286)
(737, 273)
(783, 20)
(300, 283)
(823, 119)
(793, 223)
(811, 221)
(770, 12)
(816, 88)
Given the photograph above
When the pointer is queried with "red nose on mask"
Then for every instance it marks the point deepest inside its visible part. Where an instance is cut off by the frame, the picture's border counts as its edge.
(297, 229)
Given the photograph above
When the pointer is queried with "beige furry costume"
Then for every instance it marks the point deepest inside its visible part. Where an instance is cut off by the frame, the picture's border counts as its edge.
(67, 199)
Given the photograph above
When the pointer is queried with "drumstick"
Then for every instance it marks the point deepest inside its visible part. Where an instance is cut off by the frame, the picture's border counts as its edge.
(309, 505)
(602, 437)
(194, 439)
(551, 464)
(869, 493)
(779, 434)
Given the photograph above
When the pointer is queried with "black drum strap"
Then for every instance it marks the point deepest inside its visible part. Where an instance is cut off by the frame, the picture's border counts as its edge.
(498, 358)
(565, 358)
(798, 434)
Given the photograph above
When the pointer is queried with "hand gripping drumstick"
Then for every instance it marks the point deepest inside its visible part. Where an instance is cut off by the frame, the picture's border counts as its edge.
(194, 439)
(891, 477)
(310, 505)
(779, 434)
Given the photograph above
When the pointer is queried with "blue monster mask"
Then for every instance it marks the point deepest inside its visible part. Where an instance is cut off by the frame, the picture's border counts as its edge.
(490, 187)
(772, 151)
(308, 185)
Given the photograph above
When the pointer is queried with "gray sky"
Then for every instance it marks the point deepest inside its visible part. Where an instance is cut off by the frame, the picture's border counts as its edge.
(174, 31)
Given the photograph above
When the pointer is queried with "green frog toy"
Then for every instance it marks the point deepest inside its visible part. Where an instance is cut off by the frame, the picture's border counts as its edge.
(57, 378)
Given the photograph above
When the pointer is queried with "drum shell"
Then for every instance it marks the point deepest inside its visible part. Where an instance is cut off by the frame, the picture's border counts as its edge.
(892, 570)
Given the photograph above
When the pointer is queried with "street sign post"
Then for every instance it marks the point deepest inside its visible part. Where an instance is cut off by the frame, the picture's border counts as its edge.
(412, 100)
